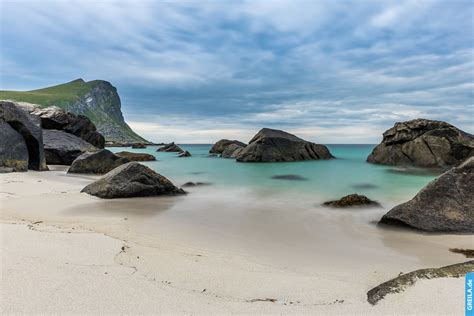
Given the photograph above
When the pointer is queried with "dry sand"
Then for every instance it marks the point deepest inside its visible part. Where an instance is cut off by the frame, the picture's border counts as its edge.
(60, 256)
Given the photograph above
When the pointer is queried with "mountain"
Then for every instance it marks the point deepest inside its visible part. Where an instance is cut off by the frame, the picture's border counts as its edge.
(98, 100)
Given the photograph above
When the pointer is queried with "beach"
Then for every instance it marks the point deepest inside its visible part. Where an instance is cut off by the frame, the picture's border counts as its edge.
(64, 251)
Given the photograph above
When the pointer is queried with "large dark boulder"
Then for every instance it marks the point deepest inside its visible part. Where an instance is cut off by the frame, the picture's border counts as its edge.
(131, 180)
(21, 141)
(136, 156)
(172, 147)
(446, 204)
(271, 145)
(232, 150)
(54, 117)
(98, 162)
(219, 147)
(62, 148)
(423, 143)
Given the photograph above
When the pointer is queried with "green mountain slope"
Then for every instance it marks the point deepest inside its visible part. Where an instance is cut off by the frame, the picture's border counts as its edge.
(96, 99)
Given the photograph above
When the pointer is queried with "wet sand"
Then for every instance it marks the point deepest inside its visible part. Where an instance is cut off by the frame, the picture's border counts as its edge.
(211, 251)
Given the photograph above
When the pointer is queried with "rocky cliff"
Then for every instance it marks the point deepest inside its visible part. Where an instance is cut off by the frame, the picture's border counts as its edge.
(98, 100)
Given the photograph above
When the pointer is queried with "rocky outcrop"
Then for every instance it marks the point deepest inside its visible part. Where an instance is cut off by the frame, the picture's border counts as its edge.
(403, 281)
(21, 141)
(185, 154)
(271, 145)
(446, 204)
(423, 143)
(54, 117)
(172, 147)
(131, 180)
(218, 148)
(62, 148)
(138, 146)
(97, 162)
(136, 156)
(352, 200)
(232, 150)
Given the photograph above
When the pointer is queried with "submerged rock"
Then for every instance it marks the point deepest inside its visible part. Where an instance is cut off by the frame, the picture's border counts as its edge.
(289, 177)
(352, 200)
(423, 143)
(218, 148)
(195, 184)
(232, 150)
(172, 147)
(21, 141)
(270, 145)
(98, 162)
(131, 180)
(53, 117)
(402, 282)
(136, 156)
(62, 148)
(184, 154)
(446, 204)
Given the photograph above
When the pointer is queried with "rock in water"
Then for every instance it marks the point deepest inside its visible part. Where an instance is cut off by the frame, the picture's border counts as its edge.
(232, 150)
(139, 145)
(352, 200)
(21, 141)
(131, 180)
(98, 162)
(271, 145)
(136, 156)
(185, 154)
(446, 204)
(218, 148)
(62, 148)
(54, 117)
(423, 143)
(172, 147)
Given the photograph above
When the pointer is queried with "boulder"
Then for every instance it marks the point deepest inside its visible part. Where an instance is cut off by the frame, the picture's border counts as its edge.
(446, 204)
(232, 150)
(352, 200)
(219, 147)
(98, 162)
(172, 147)
(136, 156)
(184, 154)
(21, 143)
(131, 180)
(139, 145)
(62, 148)
(423, 143)
(54, 117)
(271, 145)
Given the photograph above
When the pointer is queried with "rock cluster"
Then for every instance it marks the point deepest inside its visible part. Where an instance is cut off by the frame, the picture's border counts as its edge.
(21, 141)
(423, 143)
(131, 180)
(172, 147)
(446, 204)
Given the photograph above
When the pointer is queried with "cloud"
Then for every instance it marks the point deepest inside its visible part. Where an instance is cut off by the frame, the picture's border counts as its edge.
(197, 69)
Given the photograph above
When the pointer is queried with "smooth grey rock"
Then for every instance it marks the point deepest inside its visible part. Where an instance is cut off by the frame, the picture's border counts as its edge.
(446, 204)
(271, 145)
(172, 147)
(219, 147)
(423, 143)
(131, 180)
(21, 144)
(232, 150)
(97, 162)
(136, 156)
(62, 148)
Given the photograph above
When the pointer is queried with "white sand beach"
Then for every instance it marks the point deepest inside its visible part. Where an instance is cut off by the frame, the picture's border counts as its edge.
(67, 252)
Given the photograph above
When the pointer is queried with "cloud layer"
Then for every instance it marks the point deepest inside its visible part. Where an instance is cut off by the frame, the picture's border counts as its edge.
(331, 71)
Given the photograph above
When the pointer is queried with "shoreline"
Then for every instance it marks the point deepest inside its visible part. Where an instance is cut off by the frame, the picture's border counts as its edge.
(204, 277)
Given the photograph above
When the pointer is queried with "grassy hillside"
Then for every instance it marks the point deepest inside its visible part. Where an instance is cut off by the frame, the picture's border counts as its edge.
(104, 110)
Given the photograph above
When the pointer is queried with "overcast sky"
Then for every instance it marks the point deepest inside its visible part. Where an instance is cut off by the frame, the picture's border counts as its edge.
(329, 71)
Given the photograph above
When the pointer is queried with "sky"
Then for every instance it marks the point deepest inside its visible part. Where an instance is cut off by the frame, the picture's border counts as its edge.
(198, 71)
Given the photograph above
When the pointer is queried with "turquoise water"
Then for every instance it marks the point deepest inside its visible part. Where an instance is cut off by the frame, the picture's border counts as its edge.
(323, 179)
